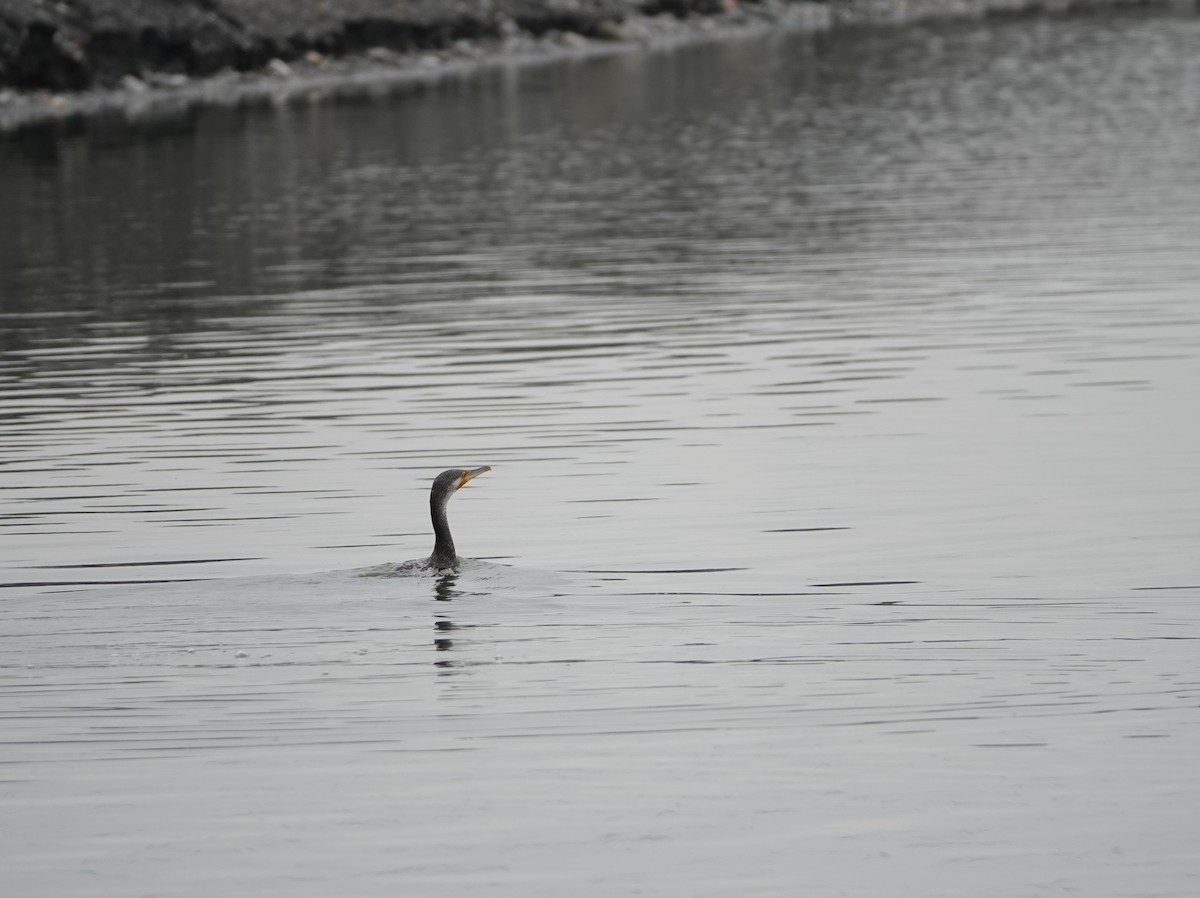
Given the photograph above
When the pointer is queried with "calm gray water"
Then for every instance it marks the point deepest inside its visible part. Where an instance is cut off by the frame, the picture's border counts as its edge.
(842, 533)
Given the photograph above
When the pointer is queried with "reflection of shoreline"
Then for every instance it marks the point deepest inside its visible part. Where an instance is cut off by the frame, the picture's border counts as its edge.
(313, 76)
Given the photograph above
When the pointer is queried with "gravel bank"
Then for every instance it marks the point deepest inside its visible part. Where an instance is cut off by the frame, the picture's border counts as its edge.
(64, 61)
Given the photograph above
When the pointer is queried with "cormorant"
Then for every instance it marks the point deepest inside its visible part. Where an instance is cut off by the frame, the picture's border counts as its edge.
(446, 485)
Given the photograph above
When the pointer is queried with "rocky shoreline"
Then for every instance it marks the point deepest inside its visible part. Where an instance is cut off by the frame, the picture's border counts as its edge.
(64, 62)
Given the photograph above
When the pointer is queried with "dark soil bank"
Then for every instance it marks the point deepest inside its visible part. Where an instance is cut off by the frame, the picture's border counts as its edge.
(74, 45)
(67, 60)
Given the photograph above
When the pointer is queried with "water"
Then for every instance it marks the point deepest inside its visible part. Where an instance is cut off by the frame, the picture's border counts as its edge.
(841, 537)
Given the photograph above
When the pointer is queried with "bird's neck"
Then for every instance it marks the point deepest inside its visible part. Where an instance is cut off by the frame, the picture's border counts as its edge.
(443, 544)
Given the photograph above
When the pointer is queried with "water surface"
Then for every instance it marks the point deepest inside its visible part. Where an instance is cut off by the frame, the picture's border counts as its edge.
(841, 533)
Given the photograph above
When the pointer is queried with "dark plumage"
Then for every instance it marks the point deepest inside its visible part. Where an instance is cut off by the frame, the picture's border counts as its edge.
(446, 485)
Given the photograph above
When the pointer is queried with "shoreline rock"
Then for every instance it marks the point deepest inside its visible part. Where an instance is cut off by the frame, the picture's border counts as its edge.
(62, 63)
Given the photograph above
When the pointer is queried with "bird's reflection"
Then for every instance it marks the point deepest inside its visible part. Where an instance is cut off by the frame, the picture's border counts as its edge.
(444, 591)
(443, 587)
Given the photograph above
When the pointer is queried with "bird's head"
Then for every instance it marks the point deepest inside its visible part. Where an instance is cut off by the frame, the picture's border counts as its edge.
(449, 482)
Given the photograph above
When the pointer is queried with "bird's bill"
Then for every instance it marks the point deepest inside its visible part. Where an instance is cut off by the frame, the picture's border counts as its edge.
(469, 475)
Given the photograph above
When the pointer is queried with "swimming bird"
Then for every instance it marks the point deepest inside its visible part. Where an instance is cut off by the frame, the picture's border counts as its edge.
(446, 485)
